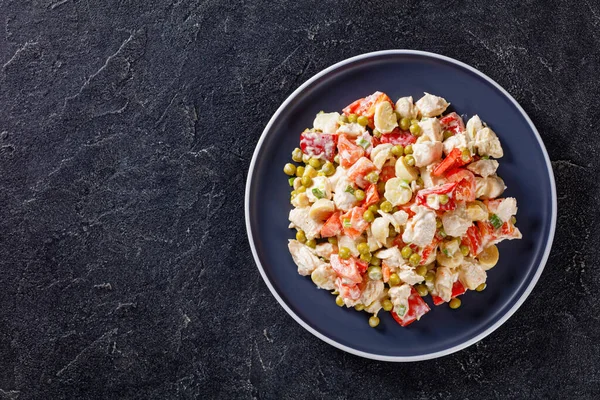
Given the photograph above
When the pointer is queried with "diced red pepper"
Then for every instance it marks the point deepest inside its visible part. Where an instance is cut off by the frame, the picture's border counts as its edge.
(372, 196)
(347, 269)
(473, 240)
(453, 160)
(453, 123)
(333, 226)
(359, 170)
(466, 187)
(353, 222)
(457, 289)
(416, 309)
(397, 136)
(366, 106)
(446, 188)
(388, 172)
(318, 144)
(349, 151)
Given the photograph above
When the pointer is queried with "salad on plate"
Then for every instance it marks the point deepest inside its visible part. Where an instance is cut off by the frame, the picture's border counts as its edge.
(394, 202)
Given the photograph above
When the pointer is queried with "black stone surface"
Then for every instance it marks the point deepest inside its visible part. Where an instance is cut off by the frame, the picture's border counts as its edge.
(126, 130)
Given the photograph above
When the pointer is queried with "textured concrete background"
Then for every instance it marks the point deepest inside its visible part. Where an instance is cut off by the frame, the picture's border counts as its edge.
(126, 129)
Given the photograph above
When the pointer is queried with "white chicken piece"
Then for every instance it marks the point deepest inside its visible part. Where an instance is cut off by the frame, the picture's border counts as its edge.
(471, 274)
(406, 108)
(458, 141)
(399, 297)
(301, 200)
(344, 200)
(426, 153)
(380, 229)
(324, 250)
(372, 241)
(420, 229)
(408, 275)
(345, 241)
(324, 277)
(489, 188)
(392, 256)
(431, 106)
(335, 178)
(483, 168)
(304, 258)
(351, 130)
(488, 144)
(444, 280)
(320, 187)
(396, 219)
(456, 222)
(380, 154)
(432, 129)
(430, 180)
(385, 118)
(372, 292)
(474, 125)
(327, 122)
(504, 208)
(376, 305)
(299, 217)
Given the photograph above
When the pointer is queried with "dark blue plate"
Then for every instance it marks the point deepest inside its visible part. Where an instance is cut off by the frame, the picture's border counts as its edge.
(525, 169)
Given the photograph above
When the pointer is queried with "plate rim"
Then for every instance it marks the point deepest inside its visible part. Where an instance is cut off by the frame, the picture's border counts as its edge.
(427, 356)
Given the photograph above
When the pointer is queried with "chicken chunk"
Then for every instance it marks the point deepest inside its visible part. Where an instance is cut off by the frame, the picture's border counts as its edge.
(431, 106)
(304, 257)
(456, 222)
(324, 277)
(406, 108)
(426, 153)
(327, 122)
(444, 280)
(471, 274)
(432, 129)
(420, 229)
(483, 168)
(300, 218)
(488, 144)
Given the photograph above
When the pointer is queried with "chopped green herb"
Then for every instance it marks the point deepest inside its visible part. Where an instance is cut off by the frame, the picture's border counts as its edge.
(401, 310)
(404, 184)
(363, 143)
(495, 221)
(291, 180)
(349, 189)
(318, 193)
(347, 223)
(446, 252)
(486, 157)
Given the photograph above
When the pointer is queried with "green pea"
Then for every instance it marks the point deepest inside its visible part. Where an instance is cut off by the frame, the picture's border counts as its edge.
(300, 171)
(289, 169)
(372, 177)
(410, 160)
(444, 199)
(422, 290)
(513, 220)
(386, 206)
(376, 133)
(344, 253)
(421, 269)
(368, 216)
(301, 236)
(359, 307)
(297, 155)
(343, 119)
(328, 168)
(306, 181)
(301, 189)
(398, 150)
(375, 261)
(352, 118)
(415, 130)
(332, 240)
(455, 303)
(481, 287)
(387, 305)
(362, 248)
(315, 163)
(442, 233)
(429, 276)
(448, 134)
(373, 321)
(415, 259)
(414, 121)
(394, 280)
(339, 301)
(373, 208)
(405, 124)
(312, 243)
(362, 120)
(406, 252)
(375, 273)
(359, 194)
(464, 250)
(408, 149)
(465, 154)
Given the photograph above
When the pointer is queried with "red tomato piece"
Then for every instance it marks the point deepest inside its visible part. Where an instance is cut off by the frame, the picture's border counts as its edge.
(416, 309)
(388, 172)
(333, 226)
(473, 240)
(318, 144)
(457, 290)
(359, 170)
(366, 106)
(349, 152)
(453, 123)
(372, 196)
(397, 136)
(346, 269)
(465, 184)
(446, 188)
(351, 292)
